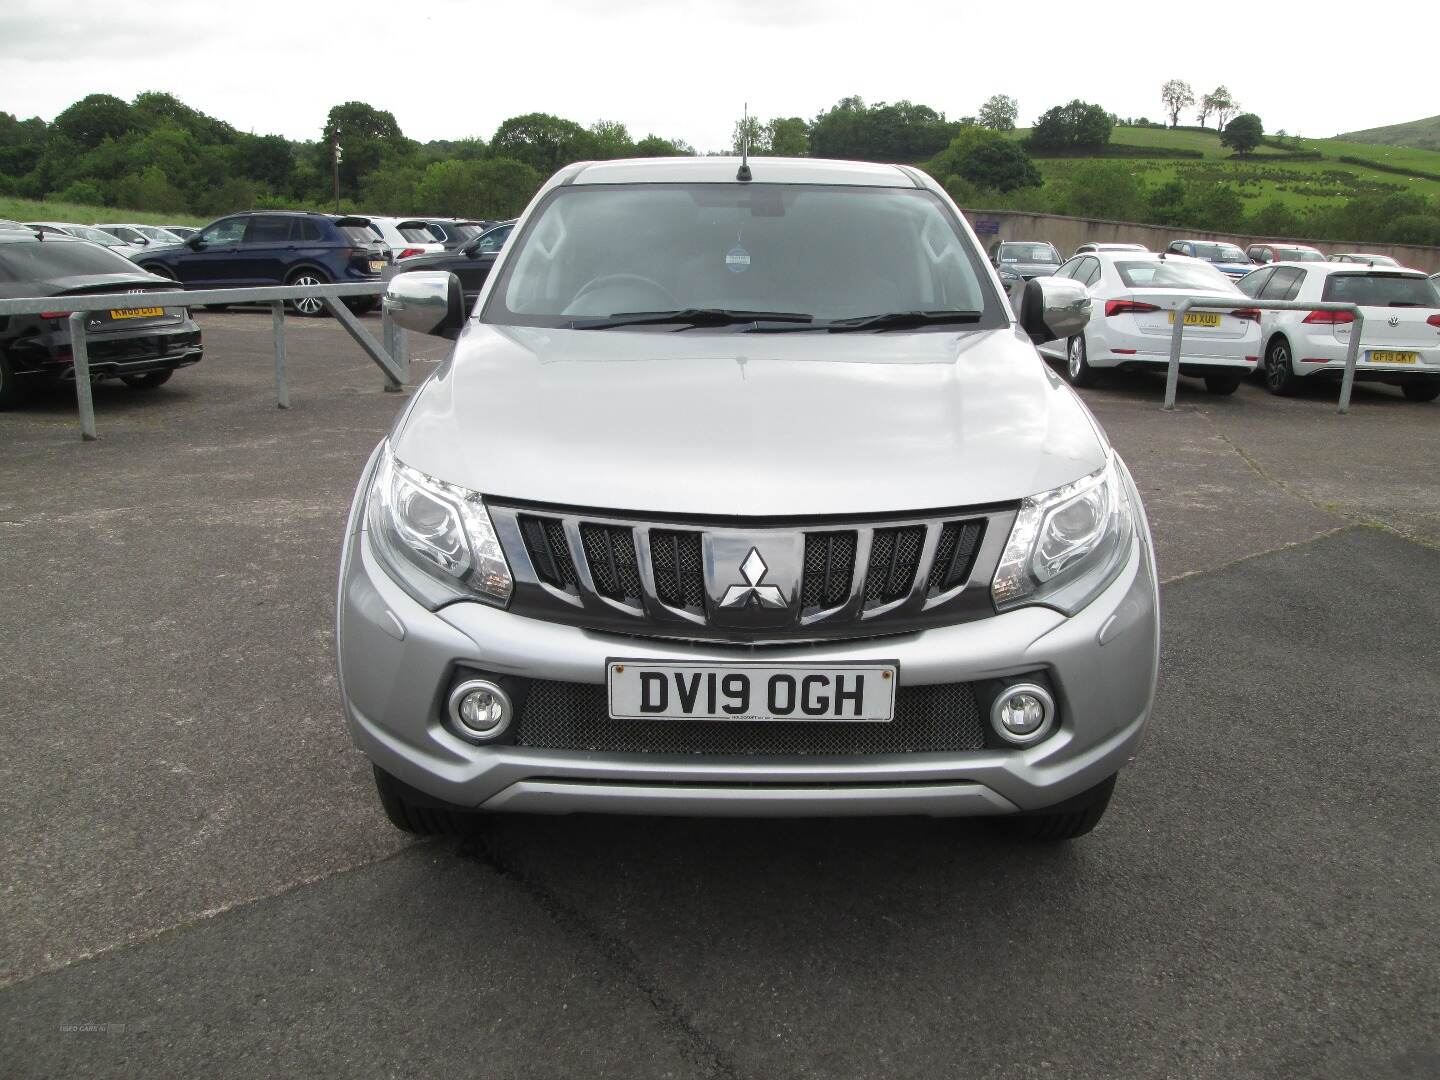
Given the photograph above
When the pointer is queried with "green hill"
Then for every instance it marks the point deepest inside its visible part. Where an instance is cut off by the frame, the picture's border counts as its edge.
(1268, 176)
(1418, 134)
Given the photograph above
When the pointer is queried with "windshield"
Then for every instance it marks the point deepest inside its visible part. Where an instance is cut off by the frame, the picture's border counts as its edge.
(418, 234)
(164, 236)
(825, 252)
(1029, 253)
(1160, 274)
(359, 234)
(1220, 253)
(48, 260)
(1290, 254)
(1381, 290)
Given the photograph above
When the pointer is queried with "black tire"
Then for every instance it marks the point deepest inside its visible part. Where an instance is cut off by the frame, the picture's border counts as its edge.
(149, 381)
(12, 389)
(1421, 391)
(362, 305)
(217, 307)
(1222, 384)
(309, 307)
(415, 812)
(1280, 377)
(1068, 820)
(1078, 371)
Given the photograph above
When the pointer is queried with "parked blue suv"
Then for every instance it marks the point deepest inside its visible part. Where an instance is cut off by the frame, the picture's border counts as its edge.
(276, 248)
(1227, 258)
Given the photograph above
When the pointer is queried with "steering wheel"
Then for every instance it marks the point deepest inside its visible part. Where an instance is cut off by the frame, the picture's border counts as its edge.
(605, 280)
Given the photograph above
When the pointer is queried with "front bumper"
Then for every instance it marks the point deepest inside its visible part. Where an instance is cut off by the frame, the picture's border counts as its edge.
(397, 658)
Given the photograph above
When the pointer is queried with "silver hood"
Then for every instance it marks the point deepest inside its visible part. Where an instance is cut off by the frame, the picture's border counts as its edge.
(748, 424)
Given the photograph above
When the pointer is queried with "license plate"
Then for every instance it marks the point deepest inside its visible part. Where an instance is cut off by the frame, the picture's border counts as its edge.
(376, 265)
(1383, 356)
(648, 690)
(1197, 318)
(136, 313)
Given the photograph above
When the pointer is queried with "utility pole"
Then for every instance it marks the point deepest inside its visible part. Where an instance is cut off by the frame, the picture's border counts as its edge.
(336, 157)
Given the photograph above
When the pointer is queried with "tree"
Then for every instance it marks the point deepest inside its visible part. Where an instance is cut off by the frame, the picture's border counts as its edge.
(1102, 189)
(1177, 95)
(610, 139)
(542, 141)
(751, 135)
(497, 188)
(789, 137)
(266, 158)
(365, 134)
(93, 119)
(999, 113)
(902, 131)
(1076, 126)
(1243, 134)
(1223, 105)
(985, 159)
(655, 146)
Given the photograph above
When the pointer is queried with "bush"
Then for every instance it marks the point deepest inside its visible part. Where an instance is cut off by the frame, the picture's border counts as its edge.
(1101, 189)
(81, 191)
(1071, 126)
(986, 159)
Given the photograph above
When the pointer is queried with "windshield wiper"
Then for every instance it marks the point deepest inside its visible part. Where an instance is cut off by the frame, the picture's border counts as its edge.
(900, 320)
(688, 317)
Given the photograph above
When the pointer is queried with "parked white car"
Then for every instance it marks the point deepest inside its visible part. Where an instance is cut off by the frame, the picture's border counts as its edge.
(1400, 341)
(141, 236)
(1085, 249)
(406, 236)
(1133, 298)
(95, 236)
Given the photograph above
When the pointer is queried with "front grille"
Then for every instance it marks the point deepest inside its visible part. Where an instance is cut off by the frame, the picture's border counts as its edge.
(679, 573)
(829, 568)
(636, 575)
(610, 551)
(939, 718)
(894, 558)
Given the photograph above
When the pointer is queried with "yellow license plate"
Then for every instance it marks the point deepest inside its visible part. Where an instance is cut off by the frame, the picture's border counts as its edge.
(136, 312)
(376, 265)
(1198, 318)
(1381, 356)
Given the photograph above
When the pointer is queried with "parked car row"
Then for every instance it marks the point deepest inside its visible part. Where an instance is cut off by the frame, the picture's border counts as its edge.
(1135, 294)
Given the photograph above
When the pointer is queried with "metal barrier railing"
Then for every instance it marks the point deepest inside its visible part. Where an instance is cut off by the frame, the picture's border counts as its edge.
(390, 355)
(1352, 350)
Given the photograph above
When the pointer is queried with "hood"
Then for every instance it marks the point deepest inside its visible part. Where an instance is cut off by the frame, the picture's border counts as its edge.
(748, 424)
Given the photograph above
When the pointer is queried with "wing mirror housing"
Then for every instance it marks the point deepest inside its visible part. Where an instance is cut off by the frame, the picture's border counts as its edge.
(1053, 308)
(426, 301)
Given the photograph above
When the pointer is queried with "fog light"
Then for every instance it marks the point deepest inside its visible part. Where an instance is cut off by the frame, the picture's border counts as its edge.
(480, 709)
(1023, 714)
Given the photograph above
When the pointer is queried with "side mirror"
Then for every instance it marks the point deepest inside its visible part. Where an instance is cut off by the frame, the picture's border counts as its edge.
(426, 301)
(1053, 308)
(195, 243)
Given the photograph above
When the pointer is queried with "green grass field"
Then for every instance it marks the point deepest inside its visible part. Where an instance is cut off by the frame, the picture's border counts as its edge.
(1295, 184)
(79, 214)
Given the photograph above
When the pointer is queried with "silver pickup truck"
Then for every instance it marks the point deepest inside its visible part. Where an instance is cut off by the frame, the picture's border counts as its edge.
(745, 491)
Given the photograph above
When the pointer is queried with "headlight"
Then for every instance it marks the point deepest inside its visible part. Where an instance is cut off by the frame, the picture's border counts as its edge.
(435, 538)
(1068, 544)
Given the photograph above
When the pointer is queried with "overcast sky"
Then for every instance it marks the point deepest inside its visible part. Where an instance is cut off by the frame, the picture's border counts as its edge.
(683, 68)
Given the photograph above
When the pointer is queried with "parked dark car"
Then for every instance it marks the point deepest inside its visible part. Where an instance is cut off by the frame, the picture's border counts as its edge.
(471, 264)
(1017, 261)
(262, 248)
(139, 344)
(1227, 258)
(1260, 254)
(455, 233)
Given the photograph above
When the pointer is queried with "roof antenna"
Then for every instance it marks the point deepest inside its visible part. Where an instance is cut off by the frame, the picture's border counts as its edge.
(743, 173)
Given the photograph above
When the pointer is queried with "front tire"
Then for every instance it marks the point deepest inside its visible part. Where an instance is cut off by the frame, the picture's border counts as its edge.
(310, 307)
(1068, 820)
(415, 812)
(1280, 377)
(1222, 384)
(1421, 391)
(1078, 371)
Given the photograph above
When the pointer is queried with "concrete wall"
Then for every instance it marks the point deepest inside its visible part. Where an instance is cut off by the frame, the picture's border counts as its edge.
(1068, 233)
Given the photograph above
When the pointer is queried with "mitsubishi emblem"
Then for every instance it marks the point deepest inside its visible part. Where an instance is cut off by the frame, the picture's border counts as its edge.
(753, 569)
